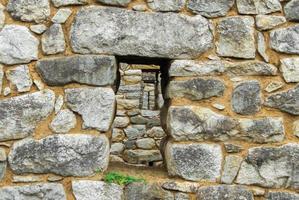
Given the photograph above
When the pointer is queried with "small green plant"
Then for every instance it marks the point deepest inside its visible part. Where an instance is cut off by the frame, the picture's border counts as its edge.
(120, 179)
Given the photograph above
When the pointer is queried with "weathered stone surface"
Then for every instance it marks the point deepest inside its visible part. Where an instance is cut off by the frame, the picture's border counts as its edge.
(26, 179)
(142, 156)
(142, 191)
(267, 22)
(62, 15)
(39, 84)
(181, 186)
(117, 148)
(287, 101)
(181, 196)
(273, 167)
(121, 122)
(139, 7)
(58, 104)
(29, 10)
(196, 68)
(95, 105)
(282, 196)
(268, 129)
(224, 192)
(198, 123)
(145, 143)
(2, 16)
(211, 8)
(118, 31)
(273, 86)
(87, 69)
(156, 132)
(115, 2)
(290, 69)
(42, 191)
(296, 128)
(251, 68)
(18, 45)
(285, 40)
(117, 135)
(195, 162)
(58, 3)
(166, 5)
(20, 115)
(20, 78)
(261, 46)
(246, 98)
(6, 91)
(53, 41)
(63, 122)
(135, 131)
(231, 168)
(233, 148)
(66, 155)
(38, 28)
(1, 78)
(195, 89)
(3, 163)
(96, 190)
(258, 6)
(236, 37)
(291, 10)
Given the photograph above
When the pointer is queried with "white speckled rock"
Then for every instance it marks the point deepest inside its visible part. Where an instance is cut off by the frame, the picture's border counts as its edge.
(258, 6)
(115, 2)
(231, 168)
(63, 122)
(166, 5)
(53, 41)
(20, 78)
(62, 15)
(290, 69)
(267, 22)
(38, 28)
(59, 3)
(291, 10)
(261, 46)
(2, 16)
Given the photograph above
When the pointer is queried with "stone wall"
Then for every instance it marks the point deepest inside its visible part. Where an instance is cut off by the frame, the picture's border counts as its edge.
(229, 70)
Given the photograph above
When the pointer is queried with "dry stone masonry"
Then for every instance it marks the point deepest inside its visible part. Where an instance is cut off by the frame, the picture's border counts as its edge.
(198, 97)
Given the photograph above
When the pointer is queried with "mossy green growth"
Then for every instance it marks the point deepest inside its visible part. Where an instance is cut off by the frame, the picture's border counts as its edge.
(120, 179)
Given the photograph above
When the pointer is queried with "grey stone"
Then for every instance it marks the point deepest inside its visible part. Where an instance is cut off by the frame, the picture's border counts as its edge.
(65, 155)
(121, 122)
(181, 196)
(62, 15)
(273, 167)
(218, 106)
(54, 178)
(26, 179)
(145, 143)
(29, 10)
(18, 45)
(166, 5)
(127, 104)
(53, 41)
(139, 7)
(251, 68)
(20, 78)
(268, 22)
(117, 148)
(1, 78)
(6, 91)
(39, 84)
(135, 131)
(130, 144)
(286, 101)
(42, 191)
(198, 123)
(196, 68)
(195, 162)
(117, 31)
(282, 196)
(231, 168)
(232, 148)
(142, 156)
(258, 6)
(20, 115)
(96, 190)
(118, 135)
(273, 86)
(3, 163)
(59, 3)
(63, 122)
(246, 98)
(261, 46)
(58, 104)
(195, 89)
(181, 186)
(211, 8)
(290, 69)
(142, 191)
(236, 37)
(285, 40)
(263, 130)
(95, 105)
(87, 69)
(115, 2)
(38, 28)
(224, 192)
(291, 10)
(2, 16)
(156, 132)
(296, 128)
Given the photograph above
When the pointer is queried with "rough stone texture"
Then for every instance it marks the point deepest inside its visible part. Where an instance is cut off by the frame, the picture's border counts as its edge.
(20, 78)
(18, 45)
(66, 155)
(261, 46)
(61, 16)
(53, 41)
(140, 156)
(199, 123)
(115, 2)
(287, 101)
(258, 6)
(274, 167)
(267, 22)
(3, 163)
(2, 16)
(291, 10)
(195, 89)
(58, 3)
(290, 69)
(166, 5)
(118, 31)
(246, 98)
(135, 131)
(211, 8)
(96, 190)
(273, 86)
(145, 143)
(86, 69)
(233, 148)
(58, 104)
(63, 122)
(236, 37)
(231, 168)
(38, 28)
(224, 192)
(194, 161)
(29, 10)
(42, 191)
(263, 130)
(121, 122)
(285, 40)
(1, 78)
(95, 105)
(251, 68)
(181, 186)
(20, 115)
(282, 196)
(117, 148)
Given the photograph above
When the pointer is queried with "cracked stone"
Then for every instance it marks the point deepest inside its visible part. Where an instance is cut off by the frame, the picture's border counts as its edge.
(258, 6)
(268, 22)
